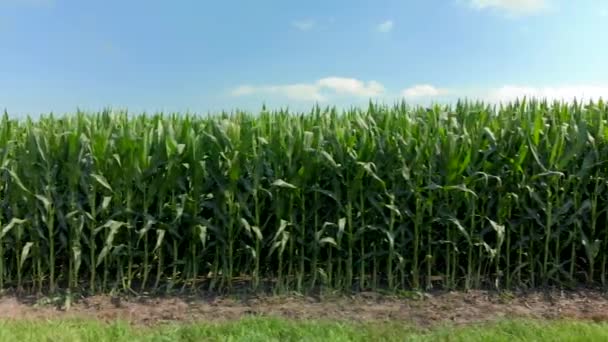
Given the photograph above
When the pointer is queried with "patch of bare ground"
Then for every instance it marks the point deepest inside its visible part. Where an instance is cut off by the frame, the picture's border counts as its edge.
(425, 310)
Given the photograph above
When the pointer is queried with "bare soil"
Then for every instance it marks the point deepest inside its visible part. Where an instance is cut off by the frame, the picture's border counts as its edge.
(424, 310)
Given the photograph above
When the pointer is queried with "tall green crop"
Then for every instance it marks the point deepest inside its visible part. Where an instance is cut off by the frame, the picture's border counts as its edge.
(401, 197)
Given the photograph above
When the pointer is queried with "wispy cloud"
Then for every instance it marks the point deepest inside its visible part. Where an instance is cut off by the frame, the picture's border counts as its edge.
(320, 90)
(423, 90)
(385, 27)
(352, 89)
(296, 92)
(303, 25)
(559, 93)
(508, 93)
(351, 86)
(511, 7)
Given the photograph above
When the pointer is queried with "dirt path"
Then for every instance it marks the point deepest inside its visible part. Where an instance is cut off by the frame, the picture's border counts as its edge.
(425, 311)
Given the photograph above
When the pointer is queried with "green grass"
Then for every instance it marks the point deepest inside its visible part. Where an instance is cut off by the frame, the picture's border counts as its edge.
(267, 329)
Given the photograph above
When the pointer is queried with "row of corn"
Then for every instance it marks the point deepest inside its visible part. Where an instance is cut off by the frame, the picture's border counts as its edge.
(386, 197)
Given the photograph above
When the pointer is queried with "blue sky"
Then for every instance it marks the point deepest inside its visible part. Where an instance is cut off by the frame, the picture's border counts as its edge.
(200, 56)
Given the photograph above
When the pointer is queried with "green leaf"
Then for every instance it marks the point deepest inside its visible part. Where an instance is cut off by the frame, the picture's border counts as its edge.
(180, 149)
(461, 228)
(14, 222)
(104, 252)
(117, 158)
(341, 226)
(394, 209)
(149, 223)
(102, 181)
(45, 201)
(77, 257)
(390, 237)
(369, 168)
(246, 225)
(535, 154)
(25, 252)
(282, 226)
(326, 193)
(490, 135)
(328, 240)
(257, 232)
(330, 159)
(280, 240)
(592, 248)
(106, 202)
(160, 236)
(283, 184)
(17, 180)
(202, 234)
(462, 188)
(500, 231)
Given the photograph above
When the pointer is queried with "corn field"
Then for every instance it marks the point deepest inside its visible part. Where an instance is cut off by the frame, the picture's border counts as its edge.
(388, 197)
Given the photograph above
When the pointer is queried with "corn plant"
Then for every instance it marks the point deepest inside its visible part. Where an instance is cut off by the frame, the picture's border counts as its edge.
(393, 197)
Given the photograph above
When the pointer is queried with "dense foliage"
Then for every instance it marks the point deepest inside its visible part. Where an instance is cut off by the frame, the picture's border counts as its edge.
(393, 197)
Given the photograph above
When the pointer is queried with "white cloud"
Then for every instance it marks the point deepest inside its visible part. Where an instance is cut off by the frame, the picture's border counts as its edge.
(317, 91)
(351, 86)
(243, 90)
(507, 93)
(423, 90)
(559, 93)
(386, 26)
(303, 25)
(351, 89)
(296, 92)
(512, 7)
